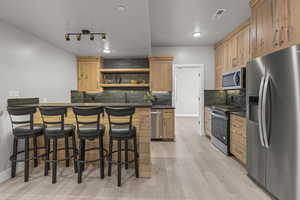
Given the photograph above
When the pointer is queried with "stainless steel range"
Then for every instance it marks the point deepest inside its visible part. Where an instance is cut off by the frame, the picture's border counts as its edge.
(220, 126)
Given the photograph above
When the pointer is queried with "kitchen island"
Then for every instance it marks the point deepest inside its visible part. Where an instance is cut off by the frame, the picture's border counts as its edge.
(141, 120)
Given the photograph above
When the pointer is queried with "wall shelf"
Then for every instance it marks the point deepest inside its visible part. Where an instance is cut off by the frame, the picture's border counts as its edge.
(125, 70)
(125, 85)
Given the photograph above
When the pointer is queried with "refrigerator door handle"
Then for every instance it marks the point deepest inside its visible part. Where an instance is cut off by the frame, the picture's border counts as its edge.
(264, 120)
(260, 99)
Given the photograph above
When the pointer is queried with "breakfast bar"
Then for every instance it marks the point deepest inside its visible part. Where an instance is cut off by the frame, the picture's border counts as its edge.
(141, 120)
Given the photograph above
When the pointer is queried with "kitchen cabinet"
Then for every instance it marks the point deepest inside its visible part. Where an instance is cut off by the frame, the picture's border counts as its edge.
(243, 47)
(274, 25)
(207, 122)
(88, 75)
(238, 138)
(161, 73)
(168, 124)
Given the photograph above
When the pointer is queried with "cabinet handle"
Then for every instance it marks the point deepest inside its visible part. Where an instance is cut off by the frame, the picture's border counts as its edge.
(281, 36)
(275, 43)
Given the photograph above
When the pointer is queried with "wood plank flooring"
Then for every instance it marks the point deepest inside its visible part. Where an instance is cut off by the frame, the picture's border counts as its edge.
(189, 169)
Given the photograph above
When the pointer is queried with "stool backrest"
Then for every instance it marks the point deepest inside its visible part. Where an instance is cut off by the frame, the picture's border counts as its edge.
(58, 112)
(85, 113)
(20, 112)
(120, 112)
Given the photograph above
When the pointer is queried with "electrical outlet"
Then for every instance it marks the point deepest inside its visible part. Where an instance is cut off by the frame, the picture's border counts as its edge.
(13, 93)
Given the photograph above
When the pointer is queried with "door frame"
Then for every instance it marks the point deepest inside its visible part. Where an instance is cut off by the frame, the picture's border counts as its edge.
(201, 69)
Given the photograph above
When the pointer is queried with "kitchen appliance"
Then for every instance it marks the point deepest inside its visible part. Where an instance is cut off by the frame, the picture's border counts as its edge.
(157, 123)
(220, 126)
(234, 79)
(273, 122)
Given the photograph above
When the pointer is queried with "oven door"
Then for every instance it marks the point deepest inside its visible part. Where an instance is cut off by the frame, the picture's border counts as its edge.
(220, 126)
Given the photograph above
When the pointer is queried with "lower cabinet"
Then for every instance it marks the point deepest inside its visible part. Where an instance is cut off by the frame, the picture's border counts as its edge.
(168, 124)
(238, 138)
(207, 121)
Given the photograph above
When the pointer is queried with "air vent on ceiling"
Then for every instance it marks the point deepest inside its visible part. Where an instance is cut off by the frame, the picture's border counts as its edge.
(218, 14)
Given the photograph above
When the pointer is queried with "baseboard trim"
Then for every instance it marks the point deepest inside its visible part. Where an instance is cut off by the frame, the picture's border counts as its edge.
(186, 115)
(5, 175)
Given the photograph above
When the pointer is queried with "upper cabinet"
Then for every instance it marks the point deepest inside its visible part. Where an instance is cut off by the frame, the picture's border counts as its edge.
(274, 25)
(161, 73)
(88, 77)
(233, 52)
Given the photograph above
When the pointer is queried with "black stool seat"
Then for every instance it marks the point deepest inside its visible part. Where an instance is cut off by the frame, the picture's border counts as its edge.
(90, 131)
(25, 130)
(122, 132)
(55, 131)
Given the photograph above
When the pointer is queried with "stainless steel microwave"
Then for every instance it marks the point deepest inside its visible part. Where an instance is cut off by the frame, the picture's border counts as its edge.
(234, 79)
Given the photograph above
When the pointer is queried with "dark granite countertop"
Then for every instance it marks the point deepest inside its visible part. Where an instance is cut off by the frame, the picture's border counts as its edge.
(240, 114)
(163, 107)
(90, 104)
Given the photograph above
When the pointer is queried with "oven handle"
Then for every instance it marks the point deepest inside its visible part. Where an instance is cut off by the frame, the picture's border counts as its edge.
(260, 98)
(219, 116)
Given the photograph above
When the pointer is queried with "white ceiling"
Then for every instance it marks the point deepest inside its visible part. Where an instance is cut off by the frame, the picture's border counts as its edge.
(129, 33)
(174, 21)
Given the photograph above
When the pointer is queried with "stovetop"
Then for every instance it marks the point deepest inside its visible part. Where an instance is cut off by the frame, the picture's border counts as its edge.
(227, 108)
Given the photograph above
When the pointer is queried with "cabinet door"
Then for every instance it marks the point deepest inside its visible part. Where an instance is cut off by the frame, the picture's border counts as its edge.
(243, 47)
(263, 35)
(294, 21)
(161, 75)
(88, 74)
(169, 129)
(233, 62)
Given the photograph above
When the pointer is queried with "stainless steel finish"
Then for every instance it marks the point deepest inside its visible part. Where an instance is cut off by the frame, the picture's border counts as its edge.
(264, 110)
(234, 73)
(261, 89)
(219, 116)
(157, 124)
(276, 167)
(220, 145)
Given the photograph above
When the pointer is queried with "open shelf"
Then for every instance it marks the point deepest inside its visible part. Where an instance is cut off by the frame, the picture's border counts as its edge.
(125, 85)
(107, 70)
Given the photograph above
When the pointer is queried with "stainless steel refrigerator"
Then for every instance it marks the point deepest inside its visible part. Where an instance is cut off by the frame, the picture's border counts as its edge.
(273, 122)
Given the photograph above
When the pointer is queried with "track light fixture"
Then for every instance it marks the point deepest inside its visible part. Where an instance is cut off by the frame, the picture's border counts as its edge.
(85, 32)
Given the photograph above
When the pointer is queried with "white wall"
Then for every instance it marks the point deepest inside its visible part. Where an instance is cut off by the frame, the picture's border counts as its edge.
(192, 55)
(35, 68)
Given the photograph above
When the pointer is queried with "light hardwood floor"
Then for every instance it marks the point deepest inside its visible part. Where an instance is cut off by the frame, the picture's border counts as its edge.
(189, 169)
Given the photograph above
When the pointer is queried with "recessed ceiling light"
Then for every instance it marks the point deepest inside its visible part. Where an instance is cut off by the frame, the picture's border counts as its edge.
(197, 34)
(121, 8)
(106, 51)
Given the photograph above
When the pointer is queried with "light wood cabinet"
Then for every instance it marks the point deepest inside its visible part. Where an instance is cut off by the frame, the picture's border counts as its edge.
(238, 139)
(207, 121)
(274, 25)
(161, 73)
(243, 47)
(88, 76)
(168, 124)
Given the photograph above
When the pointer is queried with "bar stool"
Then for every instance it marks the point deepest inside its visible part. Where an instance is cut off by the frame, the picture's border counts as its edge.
(24, 129)
(89, 130)
(56, 129)
(122, 131)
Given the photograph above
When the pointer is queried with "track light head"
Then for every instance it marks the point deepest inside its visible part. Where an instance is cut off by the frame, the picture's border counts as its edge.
(67, 37)
(78, 36)
(92, 37)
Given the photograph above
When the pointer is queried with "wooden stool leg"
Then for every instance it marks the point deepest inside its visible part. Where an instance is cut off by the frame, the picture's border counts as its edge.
(101, 157)
(47, 157)
(126, 154)
(80, 161)
(83, 154)
(119, 162)
(14, 158)
(136, 161)
(36, 163)
(110, 156)
(74, 152)
(26, 170)
(54, 163)
(67, 154)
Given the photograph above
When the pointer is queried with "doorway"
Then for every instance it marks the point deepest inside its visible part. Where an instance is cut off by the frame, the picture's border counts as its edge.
(189, 93)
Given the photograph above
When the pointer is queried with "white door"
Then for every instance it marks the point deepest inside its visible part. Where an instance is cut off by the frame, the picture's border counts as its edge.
(189, 86)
